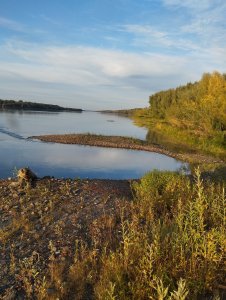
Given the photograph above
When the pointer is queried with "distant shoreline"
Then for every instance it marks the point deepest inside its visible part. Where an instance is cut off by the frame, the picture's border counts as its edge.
(7, 105)
(123, 143)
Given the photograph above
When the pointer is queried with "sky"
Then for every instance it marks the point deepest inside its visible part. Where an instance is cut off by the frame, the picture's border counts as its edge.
(107, 54)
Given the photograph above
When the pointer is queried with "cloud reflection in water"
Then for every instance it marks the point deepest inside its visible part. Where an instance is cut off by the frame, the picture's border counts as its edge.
(72, 160)
(82, 161)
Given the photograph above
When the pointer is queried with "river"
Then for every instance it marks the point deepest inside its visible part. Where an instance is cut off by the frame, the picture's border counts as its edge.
(74, 161)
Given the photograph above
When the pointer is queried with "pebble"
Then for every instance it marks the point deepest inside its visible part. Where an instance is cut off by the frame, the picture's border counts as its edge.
(38, 227)
(73, 214)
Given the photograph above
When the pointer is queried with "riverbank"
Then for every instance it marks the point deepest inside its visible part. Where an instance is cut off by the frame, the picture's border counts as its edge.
(66, 238)
(125, 143)
(41, 224)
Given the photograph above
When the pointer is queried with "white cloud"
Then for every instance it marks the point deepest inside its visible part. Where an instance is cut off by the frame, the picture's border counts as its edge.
(151, 37)
(98, 78)
(49, 20)
(144, 29)
(94, 78)
(101, 78)
(84, 65)
(199, 32)
(11, 24)
(206, 18)
(191, 4)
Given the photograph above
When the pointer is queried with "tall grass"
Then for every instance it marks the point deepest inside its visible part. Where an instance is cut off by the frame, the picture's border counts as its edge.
(168, 243)
(173, 247)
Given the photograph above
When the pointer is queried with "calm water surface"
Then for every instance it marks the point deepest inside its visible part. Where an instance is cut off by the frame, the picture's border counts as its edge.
(72, 160)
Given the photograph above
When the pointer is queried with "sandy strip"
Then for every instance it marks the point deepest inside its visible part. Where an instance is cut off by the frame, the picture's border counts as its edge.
(125, 143)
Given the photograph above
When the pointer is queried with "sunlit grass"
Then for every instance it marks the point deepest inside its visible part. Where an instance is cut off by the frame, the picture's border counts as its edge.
(168, 243)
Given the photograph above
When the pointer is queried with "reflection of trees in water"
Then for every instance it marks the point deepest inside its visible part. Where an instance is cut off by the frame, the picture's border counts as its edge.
(12, 121)
(13, 116)
(154, 137)
(31, 112)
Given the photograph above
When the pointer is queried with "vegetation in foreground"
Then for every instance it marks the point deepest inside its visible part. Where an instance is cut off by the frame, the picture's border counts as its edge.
(189, 117)
(168, 242)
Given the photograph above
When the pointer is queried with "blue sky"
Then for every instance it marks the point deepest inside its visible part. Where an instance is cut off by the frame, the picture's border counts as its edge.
(100, 54)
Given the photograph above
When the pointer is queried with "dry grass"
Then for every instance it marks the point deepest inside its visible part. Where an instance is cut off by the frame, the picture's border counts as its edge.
(168, 243)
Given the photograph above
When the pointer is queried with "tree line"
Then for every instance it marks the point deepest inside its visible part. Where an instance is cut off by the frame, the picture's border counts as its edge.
(25, 105)
(199, 106)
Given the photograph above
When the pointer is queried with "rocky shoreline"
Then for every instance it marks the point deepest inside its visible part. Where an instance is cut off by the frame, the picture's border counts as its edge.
(124, 143)
(54, 212)
(42, 225)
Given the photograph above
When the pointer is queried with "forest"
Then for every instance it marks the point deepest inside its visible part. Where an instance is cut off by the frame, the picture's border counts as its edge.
(199, 106)
(24, 105)
(194, 114)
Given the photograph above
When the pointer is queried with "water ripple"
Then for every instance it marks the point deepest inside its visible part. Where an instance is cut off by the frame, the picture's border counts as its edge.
(12, 134)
